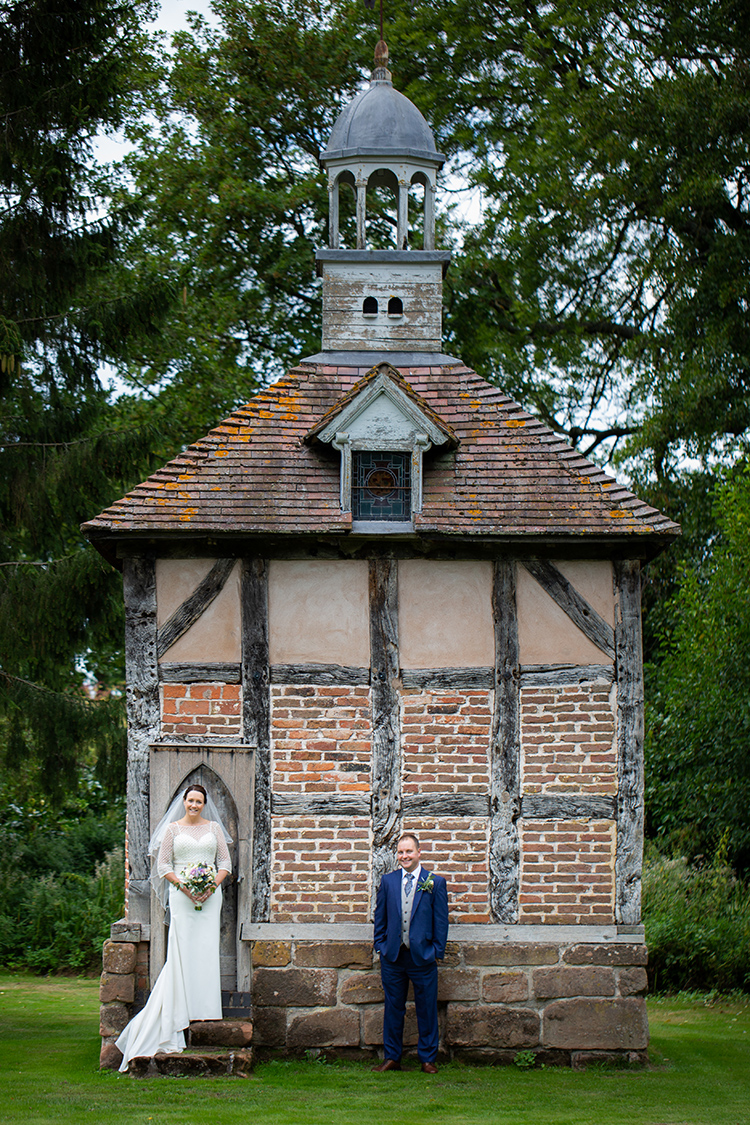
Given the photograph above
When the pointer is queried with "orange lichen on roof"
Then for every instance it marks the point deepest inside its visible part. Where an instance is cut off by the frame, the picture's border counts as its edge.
(502, 472)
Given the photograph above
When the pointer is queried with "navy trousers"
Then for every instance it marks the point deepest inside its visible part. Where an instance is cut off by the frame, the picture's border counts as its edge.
(395, 976)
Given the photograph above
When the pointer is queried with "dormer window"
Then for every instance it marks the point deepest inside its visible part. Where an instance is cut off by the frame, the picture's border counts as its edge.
(382, 428)
(370, 306)
(381, 486)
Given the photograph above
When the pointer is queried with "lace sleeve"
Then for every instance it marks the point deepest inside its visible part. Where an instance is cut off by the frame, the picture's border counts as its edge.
(223, 862)
(164, 863)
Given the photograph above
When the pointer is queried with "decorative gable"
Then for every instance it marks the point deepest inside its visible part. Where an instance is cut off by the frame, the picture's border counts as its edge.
(382, 429)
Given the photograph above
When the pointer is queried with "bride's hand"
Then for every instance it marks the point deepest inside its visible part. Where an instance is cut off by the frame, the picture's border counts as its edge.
(206, 894)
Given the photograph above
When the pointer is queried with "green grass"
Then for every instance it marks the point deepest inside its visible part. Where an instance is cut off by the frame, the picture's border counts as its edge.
(49, 1052)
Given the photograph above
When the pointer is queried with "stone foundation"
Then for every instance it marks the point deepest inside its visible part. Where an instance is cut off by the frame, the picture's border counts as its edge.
(559, 1001)
(568, 1003)
(123, 986)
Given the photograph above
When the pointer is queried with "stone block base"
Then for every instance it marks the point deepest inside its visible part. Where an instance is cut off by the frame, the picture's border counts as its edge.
(569, 1004)
(561, 1002)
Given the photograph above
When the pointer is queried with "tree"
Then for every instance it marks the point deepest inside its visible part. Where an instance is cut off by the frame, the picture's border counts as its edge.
(698, 767)
(606, 283)
(67, 71)
(231, 201)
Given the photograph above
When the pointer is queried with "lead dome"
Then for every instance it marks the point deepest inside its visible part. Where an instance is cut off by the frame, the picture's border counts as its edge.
(380, 139)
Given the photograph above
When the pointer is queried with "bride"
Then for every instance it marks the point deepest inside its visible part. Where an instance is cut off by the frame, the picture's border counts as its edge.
(189, 985)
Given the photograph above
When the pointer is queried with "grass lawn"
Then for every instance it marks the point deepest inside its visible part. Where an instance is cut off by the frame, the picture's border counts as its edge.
(49, 1052)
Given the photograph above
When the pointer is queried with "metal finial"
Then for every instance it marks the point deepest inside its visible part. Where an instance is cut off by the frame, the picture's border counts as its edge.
(381, 54)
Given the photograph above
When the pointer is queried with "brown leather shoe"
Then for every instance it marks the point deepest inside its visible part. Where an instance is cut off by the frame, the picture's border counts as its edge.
(389, 1064)
(429, 1068)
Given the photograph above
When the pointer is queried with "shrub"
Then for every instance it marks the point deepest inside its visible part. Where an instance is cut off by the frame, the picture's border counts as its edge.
(61, 882)
(697, 920)
(58, 922)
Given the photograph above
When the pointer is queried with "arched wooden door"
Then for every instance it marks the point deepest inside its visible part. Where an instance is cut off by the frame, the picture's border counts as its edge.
(212, 783)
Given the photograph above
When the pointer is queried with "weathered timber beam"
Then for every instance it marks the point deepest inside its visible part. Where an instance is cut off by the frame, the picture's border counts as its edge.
(505, 749)
(567, 806)
(630, 725)
(143, 710)
(448, 678)
(533, 806)
(320, 804)
(445, 804)
(386, 724)
(256, 723)
(532, 675)
(560, 675)
(173, 672)
(191, 609)
(598, 631)
(318, 674)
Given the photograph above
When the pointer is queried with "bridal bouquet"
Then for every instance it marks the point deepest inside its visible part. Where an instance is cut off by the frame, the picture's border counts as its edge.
(198, 880)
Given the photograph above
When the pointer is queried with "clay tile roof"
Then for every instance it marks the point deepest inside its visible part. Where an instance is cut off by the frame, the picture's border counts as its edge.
(509, 476)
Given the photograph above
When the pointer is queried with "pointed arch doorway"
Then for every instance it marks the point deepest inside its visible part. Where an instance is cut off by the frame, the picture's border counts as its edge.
(226, 772)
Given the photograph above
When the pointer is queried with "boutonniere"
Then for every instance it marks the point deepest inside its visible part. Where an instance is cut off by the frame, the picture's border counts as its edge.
(427, 884)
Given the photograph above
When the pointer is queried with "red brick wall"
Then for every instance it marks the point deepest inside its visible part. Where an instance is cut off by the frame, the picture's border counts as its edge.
(445, 739)
(567, 738)
(201, 709)
(321, 739)
(321, 869)
(567, 872)
(457, 849)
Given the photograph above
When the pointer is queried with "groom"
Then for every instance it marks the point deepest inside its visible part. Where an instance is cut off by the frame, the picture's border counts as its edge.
(411, 929)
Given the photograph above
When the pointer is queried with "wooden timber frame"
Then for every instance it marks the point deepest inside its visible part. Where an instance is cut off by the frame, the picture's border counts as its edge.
(504, 805)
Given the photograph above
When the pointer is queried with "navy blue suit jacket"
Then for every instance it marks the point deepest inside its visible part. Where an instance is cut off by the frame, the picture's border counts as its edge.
(428, 929)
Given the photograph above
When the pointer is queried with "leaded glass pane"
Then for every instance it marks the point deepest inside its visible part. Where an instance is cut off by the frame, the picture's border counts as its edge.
(381, 486)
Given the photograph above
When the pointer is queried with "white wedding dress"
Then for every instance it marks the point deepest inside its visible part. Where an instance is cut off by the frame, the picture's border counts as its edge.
(189, 986)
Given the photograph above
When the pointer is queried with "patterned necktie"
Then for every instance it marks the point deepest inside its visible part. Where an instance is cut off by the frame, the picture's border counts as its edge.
(409, 881)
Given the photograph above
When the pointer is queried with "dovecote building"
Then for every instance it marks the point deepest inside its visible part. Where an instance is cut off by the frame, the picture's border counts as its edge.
(383, 597)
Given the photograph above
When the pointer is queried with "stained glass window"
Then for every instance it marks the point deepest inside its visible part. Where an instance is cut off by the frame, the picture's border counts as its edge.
(381, 486)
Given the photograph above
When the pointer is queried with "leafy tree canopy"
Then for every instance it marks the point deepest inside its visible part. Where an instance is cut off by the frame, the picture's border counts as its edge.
(698, 767)
(606, 282)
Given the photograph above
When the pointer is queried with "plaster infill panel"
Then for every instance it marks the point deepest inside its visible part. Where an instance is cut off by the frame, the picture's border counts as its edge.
(445, 614)
(546, 635)
(216, 635)
(318, 613)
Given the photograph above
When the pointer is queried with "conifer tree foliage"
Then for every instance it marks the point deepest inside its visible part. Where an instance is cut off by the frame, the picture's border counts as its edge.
(68, 69)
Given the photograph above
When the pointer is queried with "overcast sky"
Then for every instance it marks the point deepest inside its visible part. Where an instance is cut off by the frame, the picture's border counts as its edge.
(173, 13)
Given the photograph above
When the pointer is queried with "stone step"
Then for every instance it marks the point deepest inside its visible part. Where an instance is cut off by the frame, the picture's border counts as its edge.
(220, 1033)
(194, 1064)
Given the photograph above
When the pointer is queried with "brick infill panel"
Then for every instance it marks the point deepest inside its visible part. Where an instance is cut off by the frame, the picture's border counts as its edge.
(568, 740)
(445, 740)
(321, 740)
(567, 871)
(208, 708)
(458, 851)
(321, 869)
